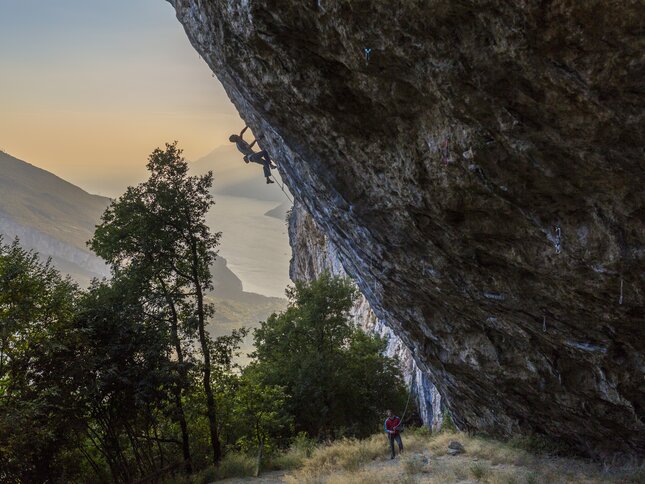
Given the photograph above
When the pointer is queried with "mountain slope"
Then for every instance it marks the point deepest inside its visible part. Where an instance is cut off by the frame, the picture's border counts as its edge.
(51, 216)
(35, 197)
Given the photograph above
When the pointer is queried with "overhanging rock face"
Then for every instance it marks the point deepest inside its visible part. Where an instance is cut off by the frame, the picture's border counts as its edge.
(479, 168)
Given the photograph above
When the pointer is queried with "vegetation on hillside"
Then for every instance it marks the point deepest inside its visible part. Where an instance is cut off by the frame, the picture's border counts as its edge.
(122, 382)
(342, 381)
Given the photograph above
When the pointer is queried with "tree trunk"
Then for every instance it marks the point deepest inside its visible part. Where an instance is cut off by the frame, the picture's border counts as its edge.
(258, 464)
(178, 389)
(185, 442)
(201, 320)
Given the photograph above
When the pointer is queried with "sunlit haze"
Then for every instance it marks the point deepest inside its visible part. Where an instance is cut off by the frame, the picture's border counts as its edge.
(89, 88)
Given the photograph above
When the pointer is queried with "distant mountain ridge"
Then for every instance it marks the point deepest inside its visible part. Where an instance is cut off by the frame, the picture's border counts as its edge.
(51, 216)
(56, 219)
(33, 196)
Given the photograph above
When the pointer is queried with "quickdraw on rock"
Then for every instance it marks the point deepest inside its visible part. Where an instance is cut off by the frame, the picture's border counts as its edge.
(368, 52)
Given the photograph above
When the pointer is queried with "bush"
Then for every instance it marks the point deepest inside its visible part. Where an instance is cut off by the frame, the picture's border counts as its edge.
(206, 476)
(346, 454)
(538, 444)
(302, 448)
(303, 444)
(236, 465)
(314, 348)
(423, 432)
(413, 464)
(479, 471)
(447, 425)
(291, 459)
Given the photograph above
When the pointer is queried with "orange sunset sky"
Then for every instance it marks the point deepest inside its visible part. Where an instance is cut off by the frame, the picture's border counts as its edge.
(89, 88)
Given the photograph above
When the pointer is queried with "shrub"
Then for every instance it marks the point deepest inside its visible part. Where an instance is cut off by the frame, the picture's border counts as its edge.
(346, 454)
(236, 465)
(206, 476)
(422, 431)
(447, 424)
(479, 471)
(538, 444)
(303, 444)
(291, 459)
(413, 464)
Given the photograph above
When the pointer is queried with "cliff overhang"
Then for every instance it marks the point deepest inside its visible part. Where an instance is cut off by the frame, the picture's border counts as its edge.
(479, 168)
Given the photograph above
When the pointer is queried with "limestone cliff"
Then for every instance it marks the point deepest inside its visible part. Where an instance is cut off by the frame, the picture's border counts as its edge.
(313, 253)
(478, 166)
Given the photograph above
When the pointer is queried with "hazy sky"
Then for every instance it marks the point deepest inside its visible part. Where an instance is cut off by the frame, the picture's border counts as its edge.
(88, 88)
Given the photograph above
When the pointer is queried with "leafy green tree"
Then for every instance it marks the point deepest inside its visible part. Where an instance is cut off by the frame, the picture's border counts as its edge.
(125, 358)
(158, 231)
(260, 415)
(84, 377)
(337, 377)
(226, 379)
(39, 407)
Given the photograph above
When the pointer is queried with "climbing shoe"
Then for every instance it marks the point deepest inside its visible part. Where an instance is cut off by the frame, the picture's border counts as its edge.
(269, 181)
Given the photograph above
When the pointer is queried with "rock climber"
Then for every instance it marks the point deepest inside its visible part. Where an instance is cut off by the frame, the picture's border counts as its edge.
(392, 423)
(261, 157)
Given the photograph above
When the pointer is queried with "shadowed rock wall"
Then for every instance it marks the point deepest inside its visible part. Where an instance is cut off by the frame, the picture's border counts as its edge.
(480, 174)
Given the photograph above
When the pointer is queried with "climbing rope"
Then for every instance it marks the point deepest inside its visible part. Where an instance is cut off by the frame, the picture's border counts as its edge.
(406, 407)
(405, 410)
(620, 300)
(281, 185)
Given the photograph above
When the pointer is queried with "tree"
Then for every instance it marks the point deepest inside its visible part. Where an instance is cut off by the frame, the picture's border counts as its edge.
(124, 357)
(158, 231)
(336, 376)
(84, 376)
(39, 407)
(260, 414)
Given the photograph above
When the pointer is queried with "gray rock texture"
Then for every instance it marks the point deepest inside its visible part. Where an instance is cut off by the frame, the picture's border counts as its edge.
(480, 173)
(313, 254)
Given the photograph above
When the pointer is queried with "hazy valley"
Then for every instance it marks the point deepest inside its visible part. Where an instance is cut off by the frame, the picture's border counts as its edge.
(56, 218)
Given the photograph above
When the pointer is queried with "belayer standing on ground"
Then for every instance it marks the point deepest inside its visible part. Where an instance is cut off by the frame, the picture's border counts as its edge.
(392, 423)
(261, 157)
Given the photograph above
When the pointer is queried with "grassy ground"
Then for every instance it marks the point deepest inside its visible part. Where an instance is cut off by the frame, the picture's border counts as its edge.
(425, 460)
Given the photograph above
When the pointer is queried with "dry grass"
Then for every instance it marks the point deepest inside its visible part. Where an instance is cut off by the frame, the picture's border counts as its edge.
(413, 464)
(344, 455)
(494, 451)
(426, 460)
